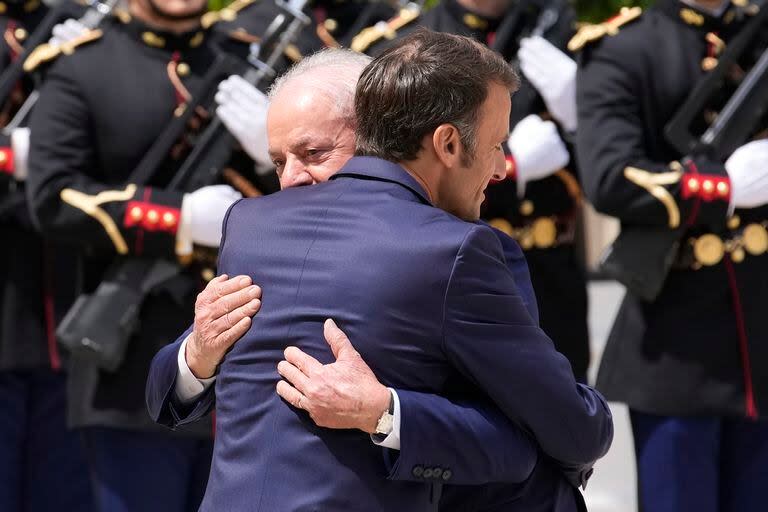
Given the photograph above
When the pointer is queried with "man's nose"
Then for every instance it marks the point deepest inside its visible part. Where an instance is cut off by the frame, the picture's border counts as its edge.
(499, 168)
(295, 174)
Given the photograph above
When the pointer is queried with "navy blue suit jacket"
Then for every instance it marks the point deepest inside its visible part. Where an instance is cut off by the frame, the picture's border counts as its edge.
(432, 308)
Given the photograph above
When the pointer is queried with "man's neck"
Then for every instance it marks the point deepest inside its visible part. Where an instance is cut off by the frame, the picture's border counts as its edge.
(487, 8)
(414, 169)
(144, 12)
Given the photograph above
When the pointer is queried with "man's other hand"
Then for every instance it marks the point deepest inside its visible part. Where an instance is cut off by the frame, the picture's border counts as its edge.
(223, 312)
(343, 394)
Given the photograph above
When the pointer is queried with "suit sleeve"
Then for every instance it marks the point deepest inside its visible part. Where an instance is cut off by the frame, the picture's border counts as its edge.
(159, 392)
(67, 199)
(619, 176)
(492, 340)
(459, 442)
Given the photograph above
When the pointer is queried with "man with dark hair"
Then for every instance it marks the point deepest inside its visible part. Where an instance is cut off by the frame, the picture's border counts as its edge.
(371, 249)
(539, 200)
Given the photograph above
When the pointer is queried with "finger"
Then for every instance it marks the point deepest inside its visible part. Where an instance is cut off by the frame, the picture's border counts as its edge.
(232, 301)
(246, 90)
(230, 319)
(228, 338)
(222, 288)
(290, 394)
(339, 342)
(294, 376)
(228, 115)
(302, 360)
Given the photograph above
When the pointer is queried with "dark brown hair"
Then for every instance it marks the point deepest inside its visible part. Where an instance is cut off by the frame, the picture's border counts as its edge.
(426, 79)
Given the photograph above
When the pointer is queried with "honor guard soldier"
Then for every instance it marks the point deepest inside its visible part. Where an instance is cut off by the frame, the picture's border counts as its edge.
(690, 360)
(539, 202)
(102, 107)
(42, 465)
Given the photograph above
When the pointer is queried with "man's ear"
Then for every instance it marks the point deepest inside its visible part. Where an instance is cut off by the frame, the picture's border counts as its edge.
(447, 145)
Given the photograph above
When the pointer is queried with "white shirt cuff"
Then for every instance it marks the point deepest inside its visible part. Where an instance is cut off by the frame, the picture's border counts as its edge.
(392, 441)
(188, 387)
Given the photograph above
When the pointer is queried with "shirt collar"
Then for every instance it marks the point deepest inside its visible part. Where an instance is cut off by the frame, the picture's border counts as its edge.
(368, 167)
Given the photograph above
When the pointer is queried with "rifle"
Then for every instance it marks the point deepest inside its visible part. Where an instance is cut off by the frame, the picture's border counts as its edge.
(507, 41)
(90, 19)
(642, 256)
(100, 325)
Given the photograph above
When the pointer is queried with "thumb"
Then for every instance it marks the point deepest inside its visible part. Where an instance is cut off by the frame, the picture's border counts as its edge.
(338, 341)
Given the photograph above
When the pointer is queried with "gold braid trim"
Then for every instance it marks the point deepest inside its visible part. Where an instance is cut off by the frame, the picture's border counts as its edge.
(653, 183)
(362, 41)
(90, 205)
(229, 13)
(589, 33)
(47, 52)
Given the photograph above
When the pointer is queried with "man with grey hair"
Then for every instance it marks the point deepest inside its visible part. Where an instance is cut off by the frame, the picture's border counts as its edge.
(324, 80)
(311, 123)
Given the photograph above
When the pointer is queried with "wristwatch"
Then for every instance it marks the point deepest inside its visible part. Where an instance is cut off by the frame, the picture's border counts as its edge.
(386, 423)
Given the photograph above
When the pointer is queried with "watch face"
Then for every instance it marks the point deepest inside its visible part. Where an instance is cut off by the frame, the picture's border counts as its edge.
(385, 424)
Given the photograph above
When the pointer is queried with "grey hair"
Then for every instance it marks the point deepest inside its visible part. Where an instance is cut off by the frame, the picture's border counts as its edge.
(332, 72)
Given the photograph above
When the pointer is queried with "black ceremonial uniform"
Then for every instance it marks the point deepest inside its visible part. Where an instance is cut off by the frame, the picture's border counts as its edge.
(100, 110)
(543, 221)
(684, 357)
(35, 290)
(696, 357)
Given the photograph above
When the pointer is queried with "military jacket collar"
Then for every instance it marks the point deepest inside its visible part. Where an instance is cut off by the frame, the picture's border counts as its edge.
(368, 167)
(700, 19)
(473, 22)
(162, 39)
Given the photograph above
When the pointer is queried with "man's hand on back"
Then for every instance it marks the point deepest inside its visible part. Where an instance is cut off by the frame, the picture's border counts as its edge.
(223, 312)
(343, 394)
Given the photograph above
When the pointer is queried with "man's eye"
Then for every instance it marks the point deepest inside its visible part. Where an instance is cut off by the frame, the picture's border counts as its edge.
(279, 164)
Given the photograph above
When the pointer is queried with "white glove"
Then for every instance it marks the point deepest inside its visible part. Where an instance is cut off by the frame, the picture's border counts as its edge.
(243, 110)
(747, 168)
(20, 148)
(67, 31)
(553, 74)
(537, 149)
(202, 214)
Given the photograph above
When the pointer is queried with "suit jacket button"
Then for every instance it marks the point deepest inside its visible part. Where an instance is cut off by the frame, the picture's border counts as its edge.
(437, 473)
(447, 474)
(428, 473)
(418, 471)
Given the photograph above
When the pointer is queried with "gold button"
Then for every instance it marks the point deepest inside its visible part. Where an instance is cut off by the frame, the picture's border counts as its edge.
(526, 240)
(153, 216)
(708, 63)
(734, 222)
(526, 207)
(502, 225)
(708, 186)
(179, 111)
(207, 274)
(331, 25)
(737, 255)
(722, 188)
(544, 233)
(708, 250)
(755, 239)
(182, 69)
(693, 185)
(137, 213)
(20, 34)
(169, 219)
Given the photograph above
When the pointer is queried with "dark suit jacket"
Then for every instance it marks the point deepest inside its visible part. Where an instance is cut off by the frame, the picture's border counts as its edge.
(368, 250)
